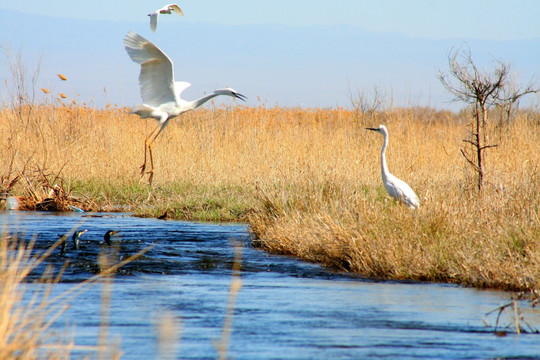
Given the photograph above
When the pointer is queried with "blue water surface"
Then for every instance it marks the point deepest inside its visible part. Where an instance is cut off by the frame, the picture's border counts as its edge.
(285, 309)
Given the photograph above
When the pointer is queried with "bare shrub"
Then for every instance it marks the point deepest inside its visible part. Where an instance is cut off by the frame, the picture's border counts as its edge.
(481, 90)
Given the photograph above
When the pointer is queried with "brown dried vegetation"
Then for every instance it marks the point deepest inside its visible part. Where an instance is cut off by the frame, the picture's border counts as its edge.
(307, 180)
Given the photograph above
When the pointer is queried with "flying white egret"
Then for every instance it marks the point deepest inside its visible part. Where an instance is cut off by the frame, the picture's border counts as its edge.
(167, 9)
(396, 188)
(159, 91)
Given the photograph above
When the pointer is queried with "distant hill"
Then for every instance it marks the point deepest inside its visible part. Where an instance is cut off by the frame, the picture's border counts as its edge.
(284, 65)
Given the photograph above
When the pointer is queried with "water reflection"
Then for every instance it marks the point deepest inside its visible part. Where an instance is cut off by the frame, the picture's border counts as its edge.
(286, 309)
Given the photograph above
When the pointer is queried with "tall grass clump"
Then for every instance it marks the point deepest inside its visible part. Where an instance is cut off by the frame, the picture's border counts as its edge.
(308, 182)
(346, 221)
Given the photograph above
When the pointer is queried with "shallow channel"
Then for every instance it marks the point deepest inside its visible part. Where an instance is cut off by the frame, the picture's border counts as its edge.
(286, 309)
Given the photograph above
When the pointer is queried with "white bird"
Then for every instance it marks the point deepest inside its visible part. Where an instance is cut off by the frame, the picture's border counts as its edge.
(167, 9)
(396, 188)
(159, 91)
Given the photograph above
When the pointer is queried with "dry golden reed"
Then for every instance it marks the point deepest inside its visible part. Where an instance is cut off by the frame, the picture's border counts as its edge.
(25, 328)
(311, 178)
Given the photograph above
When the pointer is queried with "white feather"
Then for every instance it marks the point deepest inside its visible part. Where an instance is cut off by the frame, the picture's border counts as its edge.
(159, 91)
(167, 9)
(156, 78)
(396, 188)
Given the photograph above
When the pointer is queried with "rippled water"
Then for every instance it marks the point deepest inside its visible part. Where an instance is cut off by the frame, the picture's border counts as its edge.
(286, 309)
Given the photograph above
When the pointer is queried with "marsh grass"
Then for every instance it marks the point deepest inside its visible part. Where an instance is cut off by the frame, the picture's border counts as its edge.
(308, 182)
(25, 326)
(487, 239)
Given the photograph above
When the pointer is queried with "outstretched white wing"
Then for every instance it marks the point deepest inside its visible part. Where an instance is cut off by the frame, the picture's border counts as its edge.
(157, 75)
(167, 9)
(179, 87)
(171, 7)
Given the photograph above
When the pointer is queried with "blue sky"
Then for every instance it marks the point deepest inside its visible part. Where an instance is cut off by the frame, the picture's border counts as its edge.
(436, 19)
(257, 53)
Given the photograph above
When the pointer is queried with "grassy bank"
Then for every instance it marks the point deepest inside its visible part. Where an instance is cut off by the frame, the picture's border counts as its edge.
(307, 181)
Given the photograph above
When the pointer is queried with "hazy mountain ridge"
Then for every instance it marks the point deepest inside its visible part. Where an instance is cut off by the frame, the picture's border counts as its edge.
(293, 66)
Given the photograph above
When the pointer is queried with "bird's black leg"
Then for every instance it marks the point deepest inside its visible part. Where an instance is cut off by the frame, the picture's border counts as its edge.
(143, 166)
(148, 146)
(151, 171)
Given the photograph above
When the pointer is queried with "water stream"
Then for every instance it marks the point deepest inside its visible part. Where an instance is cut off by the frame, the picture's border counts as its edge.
(286, 309)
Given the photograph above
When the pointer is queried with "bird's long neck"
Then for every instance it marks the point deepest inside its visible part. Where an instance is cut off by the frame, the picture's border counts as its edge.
(198, 102)
(384, 167)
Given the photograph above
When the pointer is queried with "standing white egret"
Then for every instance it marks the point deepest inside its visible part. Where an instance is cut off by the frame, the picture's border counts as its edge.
(167, 9)
(159, 91)
(396, 188)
